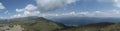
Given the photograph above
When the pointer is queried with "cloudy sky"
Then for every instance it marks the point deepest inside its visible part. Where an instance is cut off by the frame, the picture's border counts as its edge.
(58, 8)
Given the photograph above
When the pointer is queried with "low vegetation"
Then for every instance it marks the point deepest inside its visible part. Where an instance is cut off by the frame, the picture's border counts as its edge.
(42, 24)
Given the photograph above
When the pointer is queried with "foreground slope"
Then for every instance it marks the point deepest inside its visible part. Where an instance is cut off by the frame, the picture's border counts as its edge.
(42, 24)
(35, 24)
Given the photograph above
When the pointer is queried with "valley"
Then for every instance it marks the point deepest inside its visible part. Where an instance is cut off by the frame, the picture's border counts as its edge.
(42, 24)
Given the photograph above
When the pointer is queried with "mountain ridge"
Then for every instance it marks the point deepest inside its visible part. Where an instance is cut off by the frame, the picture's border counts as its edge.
(35, 24)
(43, 24)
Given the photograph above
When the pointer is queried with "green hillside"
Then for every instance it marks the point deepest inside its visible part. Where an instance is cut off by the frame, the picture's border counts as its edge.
(35, 24)
(42, 24)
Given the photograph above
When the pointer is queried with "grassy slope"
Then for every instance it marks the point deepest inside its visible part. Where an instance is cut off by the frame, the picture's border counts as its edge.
(41, 24)
(36, 24)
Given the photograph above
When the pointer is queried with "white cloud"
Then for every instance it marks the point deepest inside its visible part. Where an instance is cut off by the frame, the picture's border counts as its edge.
(117, 3)
(20, 10)
(29, 7)
(113, 13)
(29, 10)
(26, 14)
(1, 6)
(2, 17)
(53, 4)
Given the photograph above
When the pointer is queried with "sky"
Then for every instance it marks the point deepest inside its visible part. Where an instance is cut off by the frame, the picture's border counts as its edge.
(59, 8)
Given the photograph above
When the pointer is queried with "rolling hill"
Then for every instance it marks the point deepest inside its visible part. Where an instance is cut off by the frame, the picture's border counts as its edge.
(34, 24)
(42, 24)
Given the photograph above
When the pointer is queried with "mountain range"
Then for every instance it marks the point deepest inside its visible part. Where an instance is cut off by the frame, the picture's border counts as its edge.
(43, 24)
(76, 21)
